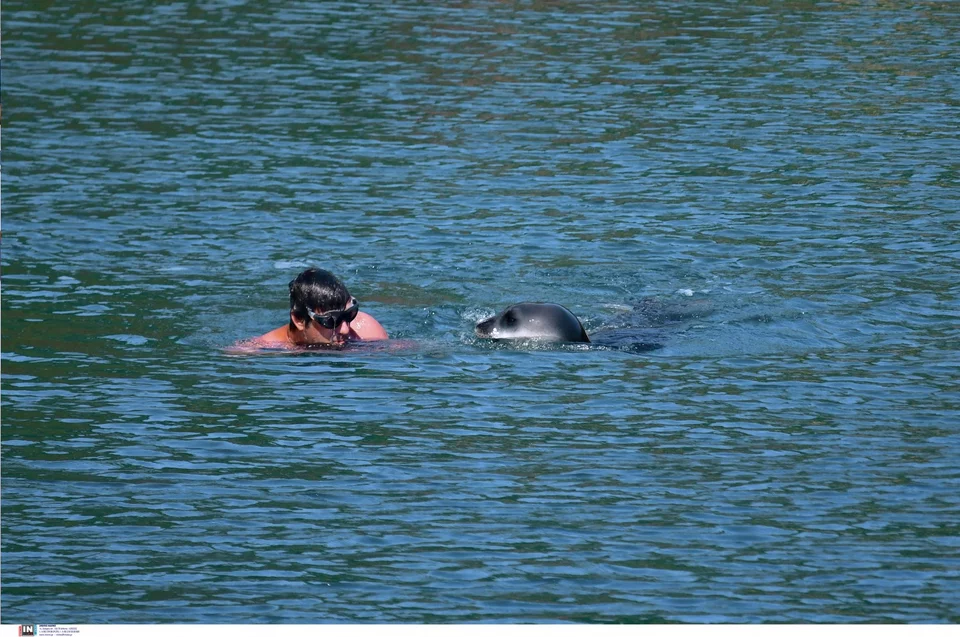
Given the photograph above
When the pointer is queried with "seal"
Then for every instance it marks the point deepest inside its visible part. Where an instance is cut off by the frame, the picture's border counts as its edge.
(535, 321)
(551, 322)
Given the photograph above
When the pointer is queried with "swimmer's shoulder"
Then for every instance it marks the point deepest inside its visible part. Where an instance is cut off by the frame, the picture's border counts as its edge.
(368, 328)
(273, 340)
(278, 336)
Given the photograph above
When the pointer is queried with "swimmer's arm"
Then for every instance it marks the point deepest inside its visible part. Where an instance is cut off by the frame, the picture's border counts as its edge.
(368, 328)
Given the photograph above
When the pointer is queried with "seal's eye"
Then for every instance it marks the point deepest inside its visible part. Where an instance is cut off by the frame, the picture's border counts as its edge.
(510, 318)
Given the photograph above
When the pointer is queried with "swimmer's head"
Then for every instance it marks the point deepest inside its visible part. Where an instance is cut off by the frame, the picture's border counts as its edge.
(319, 290)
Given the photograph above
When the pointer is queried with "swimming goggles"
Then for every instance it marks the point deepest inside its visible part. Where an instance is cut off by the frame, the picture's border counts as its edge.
(333, 318)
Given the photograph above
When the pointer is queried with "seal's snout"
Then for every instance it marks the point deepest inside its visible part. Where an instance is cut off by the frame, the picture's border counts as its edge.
(485, 327)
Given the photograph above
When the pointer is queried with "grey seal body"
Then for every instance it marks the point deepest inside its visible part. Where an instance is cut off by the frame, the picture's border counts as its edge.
(642, 329)
(534, 321)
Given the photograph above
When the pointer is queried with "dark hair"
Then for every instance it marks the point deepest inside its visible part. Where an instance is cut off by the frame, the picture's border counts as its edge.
(319, 290)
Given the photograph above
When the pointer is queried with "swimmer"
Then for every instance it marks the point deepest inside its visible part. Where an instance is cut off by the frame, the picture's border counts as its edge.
(322, 312)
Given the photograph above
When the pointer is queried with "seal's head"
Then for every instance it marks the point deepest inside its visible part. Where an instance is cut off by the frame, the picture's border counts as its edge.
(537, 321)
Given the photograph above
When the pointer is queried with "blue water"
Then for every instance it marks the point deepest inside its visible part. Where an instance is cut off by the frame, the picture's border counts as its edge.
(782, 180)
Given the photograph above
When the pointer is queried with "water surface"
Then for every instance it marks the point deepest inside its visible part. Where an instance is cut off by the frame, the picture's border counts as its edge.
(789, 456)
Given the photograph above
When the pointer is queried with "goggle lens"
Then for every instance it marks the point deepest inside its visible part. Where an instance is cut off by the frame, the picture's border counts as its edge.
(330, 320)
